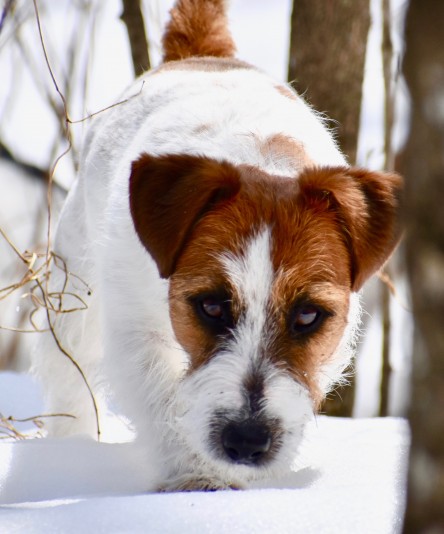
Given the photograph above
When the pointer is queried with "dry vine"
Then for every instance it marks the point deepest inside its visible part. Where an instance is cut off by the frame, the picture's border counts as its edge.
(38, 270)
(35, 280)
(8, 429)
(38, 266)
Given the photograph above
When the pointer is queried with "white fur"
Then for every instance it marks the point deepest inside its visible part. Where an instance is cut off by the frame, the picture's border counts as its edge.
(124, 341)
(252, 276)
(218, 386)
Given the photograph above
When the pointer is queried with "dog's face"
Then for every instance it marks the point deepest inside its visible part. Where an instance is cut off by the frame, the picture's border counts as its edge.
(261, 272)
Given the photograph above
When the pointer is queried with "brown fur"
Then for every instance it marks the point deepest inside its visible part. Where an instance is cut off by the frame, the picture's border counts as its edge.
(167, 196)
(286, 91)
(205, 64)
(331, 229)
(197, 28)
(366, 205)
(280, 147)
(309, 256)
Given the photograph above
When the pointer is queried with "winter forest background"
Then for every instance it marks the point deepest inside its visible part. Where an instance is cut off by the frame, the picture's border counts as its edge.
(61, 62)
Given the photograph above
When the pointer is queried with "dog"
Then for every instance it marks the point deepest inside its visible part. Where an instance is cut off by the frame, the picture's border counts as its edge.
(217, 239)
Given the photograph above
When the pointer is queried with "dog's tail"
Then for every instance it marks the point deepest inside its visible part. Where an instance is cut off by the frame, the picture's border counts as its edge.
(197, 28)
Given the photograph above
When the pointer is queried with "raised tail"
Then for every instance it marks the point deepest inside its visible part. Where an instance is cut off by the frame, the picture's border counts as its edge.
(197, 28)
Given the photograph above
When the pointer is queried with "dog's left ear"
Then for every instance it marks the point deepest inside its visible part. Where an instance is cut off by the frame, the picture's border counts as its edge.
(169, 194)
(366, 207)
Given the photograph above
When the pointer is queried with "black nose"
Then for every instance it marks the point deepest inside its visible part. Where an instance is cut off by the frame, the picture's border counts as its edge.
(246, 442)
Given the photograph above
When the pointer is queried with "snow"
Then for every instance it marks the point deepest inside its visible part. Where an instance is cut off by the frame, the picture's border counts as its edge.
(20, 396)
(350, 478)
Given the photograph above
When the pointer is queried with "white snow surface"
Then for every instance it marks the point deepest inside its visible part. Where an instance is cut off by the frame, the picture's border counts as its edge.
(350, 479)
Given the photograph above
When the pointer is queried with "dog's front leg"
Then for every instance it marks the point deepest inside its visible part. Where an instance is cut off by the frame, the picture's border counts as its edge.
(143, 362)
(198, 482)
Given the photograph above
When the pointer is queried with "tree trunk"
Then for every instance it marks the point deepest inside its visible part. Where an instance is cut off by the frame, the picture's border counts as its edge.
(327, 56)
(424, 216)
(389, 165)
(133, 18)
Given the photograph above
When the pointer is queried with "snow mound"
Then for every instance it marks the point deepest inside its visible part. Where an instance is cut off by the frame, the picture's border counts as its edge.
(351, 479)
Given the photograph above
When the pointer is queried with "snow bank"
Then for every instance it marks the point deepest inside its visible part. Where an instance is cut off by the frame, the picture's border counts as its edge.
(351, 479)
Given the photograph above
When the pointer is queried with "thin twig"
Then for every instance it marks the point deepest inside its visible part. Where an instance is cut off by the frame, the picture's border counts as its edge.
(42, 416)
(111, 106)
(11, 244)
(22, 330)
(9, 431)
(48, 64)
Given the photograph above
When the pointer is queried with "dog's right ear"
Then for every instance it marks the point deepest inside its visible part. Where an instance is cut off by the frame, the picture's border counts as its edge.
(169, 194)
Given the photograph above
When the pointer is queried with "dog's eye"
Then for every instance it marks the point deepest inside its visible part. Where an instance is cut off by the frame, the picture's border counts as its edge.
(215, 312)
(306, 319)
(306, 316)
(213, 308)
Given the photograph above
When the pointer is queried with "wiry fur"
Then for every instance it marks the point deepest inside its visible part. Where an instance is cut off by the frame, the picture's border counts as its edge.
(211, 178)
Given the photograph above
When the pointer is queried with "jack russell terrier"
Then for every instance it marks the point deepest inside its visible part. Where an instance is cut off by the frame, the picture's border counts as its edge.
(218, 238)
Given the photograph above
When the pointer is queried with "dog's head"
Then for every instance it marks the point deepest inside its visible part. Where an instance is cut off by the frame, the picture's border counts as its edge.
(261, 270)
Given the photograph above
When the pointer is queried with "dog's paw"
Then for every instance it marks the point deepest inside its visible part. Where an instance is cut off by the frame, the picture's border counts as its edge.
(197, 483)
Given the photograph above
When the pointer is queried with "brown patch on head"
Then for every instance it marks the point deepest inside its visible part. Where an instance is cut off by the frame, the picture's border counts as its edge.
(330, 230)
(281, 148)
(197, 28)
(286, 91)
(205, 64)
(311, 263)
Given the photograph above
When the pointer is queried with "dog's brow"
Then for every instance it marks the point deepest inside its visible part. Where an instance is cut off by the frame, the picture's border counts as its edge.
(251, 272)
